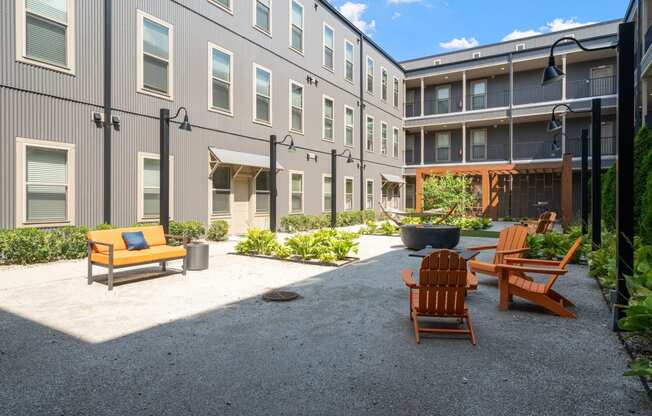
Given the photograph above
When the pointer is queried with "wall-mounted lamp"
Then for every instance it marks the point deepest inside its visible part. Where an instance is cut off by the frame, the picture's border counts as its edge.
(98, 119)
(310, 156)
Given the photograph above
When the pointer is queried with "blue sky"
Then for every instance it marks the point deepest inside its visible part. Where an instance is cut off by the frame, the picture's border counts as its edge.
(413, 28)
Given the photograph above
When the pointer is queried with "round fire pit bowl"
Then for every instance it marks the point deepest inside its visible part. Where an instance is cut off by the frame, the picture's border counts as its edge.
(280, 296)
(418, 237)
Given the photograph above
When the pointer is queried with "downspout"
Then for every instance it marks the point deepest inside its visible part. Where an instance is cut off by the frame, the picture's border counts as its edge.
(363, 80)
(107, 109)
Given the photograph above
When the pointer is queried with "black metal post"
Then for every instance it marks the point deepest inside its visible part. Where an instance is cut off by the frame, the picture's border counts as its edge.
(596, 172)
(164, 169)
(363, 123)
(584, 182)
(107, 112)
(624, 168)
(272, 183)
(333, 188)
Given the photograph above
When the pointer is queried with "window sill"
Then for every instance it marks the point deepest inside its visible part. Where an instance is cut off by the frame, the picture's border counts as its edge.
(261, 214)
(329, 69)
(263, 123)
(156, 95)
(297, 132)
(297, 51)
(350, 81)
(221, 216)
(324, 139)
(35, 62)
(219, 111)
(263, 31)
(45, 224)
(229, 11)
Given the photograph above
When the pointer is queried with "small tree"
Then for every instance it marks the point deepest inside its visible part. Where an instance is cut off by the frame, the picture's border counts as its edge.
(448, 192)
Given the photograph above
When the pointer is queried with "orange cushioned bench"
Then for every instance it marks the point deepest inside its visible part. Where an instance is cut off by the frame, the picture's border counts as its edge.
(107, 248)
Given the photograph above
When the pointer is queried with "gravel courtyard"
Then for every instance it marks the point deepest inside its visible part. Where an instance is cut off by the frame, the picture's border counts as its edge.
(207, 344)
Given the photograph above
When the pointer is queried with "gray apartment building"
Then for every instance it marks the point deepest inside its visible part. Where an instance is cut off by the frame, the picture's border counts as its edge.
(247, 70)
(640, 12)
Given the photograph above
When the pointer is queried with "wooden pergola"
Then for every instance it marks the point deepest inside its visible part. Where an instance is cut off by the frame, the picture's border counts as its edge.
(489, 173)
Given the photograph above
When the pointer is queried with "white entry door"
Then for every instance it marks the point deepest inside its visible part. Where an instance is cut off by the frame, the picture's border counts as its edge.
(241, 212)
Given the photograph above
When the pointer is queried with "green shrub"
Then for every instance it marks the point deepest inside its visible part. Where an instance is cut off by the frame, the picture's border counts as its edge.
(645, 230)
(602, 262)
(306, 246)
(26, 246)
(447, 192)
(411, 220)
(67, 243)
(193, 230)
(301, 222)
(387, 228)
(608, 201)
(642, 169)
(218, 231)
(370, 228)
(104, 226)
(553, 246)
(258, 241)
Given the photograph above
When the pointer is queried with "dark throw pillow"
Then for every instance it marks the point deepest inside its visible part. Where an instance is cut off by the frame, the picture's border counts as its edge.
(135, 240)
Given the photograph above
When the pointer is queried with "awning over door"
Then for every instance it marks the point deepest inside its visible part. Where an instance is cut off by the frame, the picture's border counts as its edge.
(392, 178)
(231, 157)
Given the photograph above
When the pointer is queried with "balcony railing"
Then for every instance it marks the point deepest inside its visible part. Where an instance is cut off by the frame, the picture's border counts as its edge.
(489, 153)
(412, 157)
(607, 146)
(537, 94)
(486, 101)
(412, 109)
(593, 87)
(648, 38)
(537, 149)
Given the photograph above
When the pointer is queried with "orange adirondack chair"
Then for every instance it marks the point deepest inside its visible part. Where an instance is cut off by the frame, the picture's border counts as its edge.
(440, 293)
(511, 241)
(544, 224)
(515, 282)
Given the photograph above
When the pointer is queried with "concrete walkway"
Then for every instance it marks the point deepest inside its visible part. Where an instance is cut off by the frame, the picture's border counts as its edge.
(207, 344)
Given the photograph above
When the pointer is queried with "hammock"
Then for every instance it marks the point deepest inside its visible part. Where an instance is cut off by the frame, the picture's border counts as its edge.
(394, 215)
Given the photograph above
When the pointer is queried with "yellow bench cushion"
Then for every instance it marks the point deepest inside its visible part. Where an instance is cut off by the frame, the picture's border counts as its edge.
(154, 236)
(150, 255)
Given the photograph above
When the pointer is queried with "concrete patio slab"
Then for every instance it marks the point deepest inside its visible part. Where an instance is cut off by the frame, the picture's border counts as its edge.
(207, 344)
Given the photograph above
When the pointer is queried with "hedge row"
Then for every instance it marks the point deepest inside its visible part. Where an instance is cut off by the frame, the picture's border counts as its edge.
(301, 222)
(34, 245)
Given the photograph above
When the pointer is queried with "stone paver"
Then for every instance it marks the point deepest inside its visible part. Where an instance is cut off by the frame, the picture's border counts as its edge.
(207, 344)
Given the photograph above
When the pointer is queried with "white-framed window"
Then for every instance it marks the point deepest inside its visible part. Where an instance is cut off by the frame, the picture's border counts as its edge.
(220, 79)
(369, 146)
(395, 141)
(384, 81)
(477, 55)
(370, 75)
(348, 61)
(296, 26)
(45, 34)
(349, 126)
(223, 4)
(326, 193)
(443, 147)
(45, 183)
(383, 138)
(155, 56)
(296, 192)
(149, 186)
(479, 144)
(396, 93)
(410, 196)
(221, 191)
(328, 109)
(369, 195)
(263, 16)
(443, 99)
(296, 107)
(436, 62)
(328, 42)
(262, 95)
(262, 192)
(348, 193)
(479, 95)
(520, 46)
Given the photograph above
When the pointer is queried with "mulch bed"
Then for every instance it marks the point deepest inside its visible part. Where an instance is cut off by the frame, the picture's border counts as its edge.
(294, 259)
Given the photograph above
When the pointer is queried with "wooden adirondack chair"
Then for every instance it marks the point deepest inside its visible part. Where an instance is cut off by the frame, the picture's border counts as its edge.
(440, 293)
(516, 282)
(512, 241)
(544, 224)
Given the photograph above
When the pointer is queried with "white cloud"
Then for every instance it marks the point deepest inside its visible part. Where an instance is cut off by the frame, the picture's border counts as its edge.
(354, 12)
(460, 43)
(403, 1)
(396, 15)
(562, 24)
(518, 34)
(553, 26)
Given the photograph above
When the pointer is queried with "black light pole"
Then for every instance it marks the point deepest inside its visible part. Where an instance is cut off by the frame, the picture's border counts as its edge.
(585, 180)
(596, 170)
(164, 162)
(625, 156)
(108, 77)
(334, 156)
(272, 177)
(624, 168)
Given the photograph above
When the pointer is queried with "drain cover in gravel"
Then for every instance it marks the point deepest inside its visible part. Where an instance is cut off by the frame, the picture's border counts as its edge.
(280, 296)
